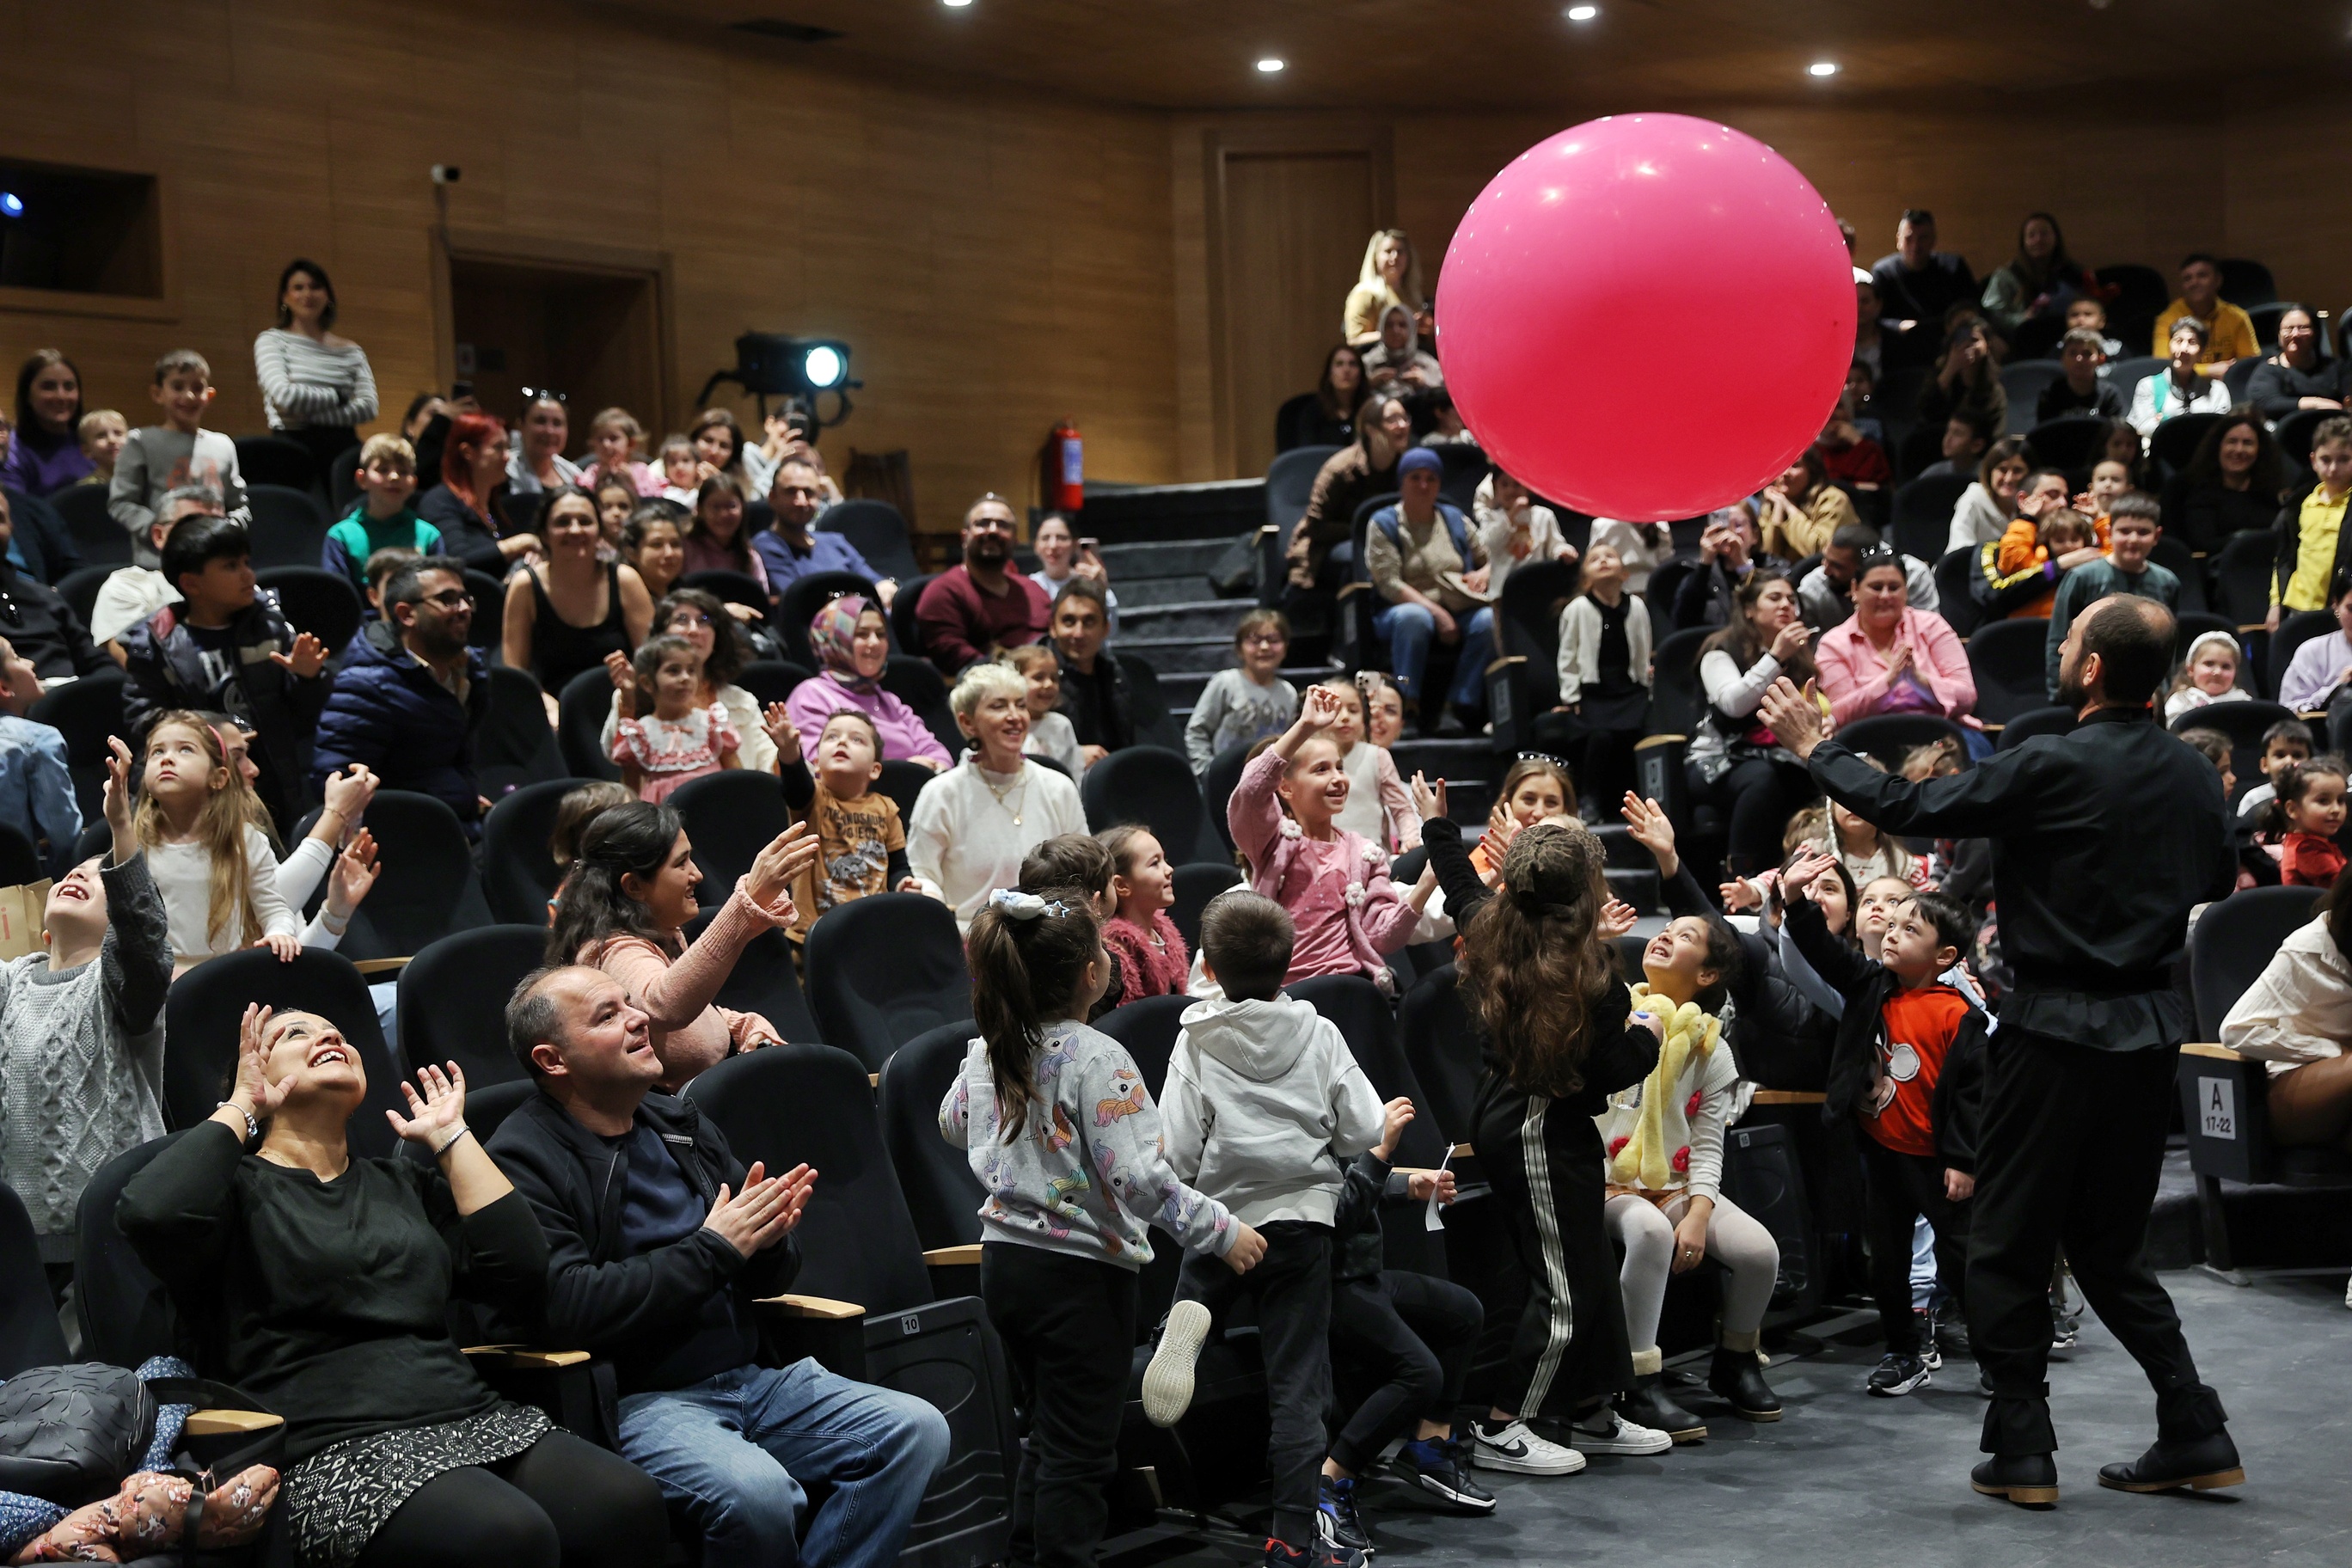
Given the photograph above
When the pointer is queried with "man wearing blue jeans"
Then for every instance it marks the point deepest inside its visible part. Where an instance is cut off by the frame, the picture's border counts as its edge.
(1422, 555)
(658, 1242)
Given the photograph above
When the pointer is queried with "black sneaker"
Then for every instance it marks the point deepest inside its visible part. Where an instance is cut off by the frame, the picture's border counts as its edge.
(1951, 1328)
(1322, 1555)
(1925, 1320)
(1440, 1466)
(1335, 1518)
(1900, 1374)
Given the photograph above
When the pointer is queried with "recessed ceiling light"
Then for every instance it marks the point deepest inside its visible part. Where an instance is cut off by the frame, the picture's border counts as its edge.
(1583, 13)
(957, 4)
(1270, 65)
(1822, 67)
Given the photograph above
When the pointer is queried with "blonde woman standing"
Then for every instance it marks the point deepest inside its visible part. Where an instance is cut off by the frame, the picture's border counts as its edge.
(1390, 276)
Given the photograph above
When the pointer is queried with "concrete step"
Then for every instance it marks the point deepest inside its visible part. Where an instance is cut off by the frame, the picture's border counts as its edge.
(1177, 654)
(1188, 618)
(1165, 558)
(1137, 591)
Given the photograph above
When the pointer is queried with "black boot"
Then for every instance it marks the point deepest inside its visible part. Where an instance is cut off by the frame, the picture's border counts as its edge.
(2031, 1479)
(1647, 1403)
(2198, 1463)
(1734, 1375)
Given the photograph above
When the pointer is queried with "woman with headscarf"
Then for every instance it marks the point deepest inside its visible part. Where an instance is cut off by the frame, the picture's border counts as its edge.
(851, 639)
(1397, 363)
(1390, 276)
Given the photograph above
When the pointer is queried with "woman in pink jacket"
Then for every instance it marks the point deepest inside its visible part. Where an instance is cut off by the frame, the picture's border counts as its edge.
(851, 639)
(1891, 658)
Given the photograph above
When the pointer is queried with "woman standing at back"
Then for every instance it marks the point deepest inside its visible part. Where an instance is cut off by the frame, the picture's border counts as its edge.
(1390, 276)
(316, 387)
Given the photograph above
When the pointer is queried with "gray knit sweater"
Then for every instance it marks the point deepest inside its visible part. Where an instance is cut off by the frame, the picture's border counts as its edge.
(81, 1053)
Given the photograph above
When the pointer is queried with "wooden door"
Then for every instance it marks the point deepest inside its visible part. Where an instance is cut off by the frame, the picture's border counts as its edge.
(1295, 225)
(592, 335)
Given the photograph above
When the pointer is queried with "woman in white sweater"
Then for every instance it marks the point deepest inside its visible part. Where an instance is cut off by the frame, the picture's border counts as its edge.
(975, 823)
(2295, 1019)
(1982, 514)
(316, 387)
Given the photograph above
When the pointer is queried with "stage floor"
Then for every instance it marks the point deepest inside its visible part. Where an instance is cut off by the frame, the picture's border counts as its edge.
(1846, 1479)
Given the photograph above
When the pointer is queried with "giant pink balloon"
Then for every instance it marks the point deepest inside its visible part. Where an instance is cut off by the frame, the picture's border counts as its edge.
(1646, 316)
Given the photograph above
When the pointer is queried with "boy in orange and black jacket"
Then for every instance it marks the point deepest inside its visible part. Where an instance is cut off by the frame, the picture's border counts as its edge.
(1908, 1067)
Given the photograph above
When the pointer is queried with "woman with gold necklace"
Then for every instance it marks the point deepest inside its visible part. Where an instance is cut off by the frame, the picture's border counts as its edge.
(974, 823)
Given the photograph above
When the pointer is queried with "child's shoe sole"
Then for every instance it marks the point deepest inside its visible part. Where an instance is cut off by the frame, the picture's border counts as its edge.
(1168, 1381)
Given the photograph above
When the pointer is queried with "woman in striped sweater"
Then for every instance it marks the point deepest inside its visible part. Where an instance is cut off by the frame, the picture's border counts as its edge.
(316, 386)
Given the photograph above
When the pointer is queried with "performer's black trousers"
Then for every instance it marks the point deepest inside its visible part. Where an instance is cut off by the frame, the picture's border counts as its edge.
(2070, 1145)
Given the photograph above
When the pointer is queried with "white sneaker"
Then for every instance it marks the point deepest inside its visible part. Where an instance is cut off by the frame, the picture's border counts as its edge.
(1613, 1433)
(1511, 1447)
(2347, 1293)
(1168, 1381)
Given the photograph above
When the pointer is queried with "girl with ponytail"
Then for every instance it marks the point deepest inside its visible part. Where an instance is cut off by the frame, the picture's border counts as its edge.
(1064, 1138)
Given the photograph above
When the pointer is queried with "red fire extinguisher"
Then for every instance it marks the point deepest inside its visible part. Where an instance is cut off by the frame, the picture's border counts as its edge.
(1065, 469)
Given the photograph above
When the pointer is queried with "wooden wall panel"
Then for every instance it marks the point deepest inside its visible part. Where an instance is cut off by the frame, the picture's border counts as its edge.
(998, 259)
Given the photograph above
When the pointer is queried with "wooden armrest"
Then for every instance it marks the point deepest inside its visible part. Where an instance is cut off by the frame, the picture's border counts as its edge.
(526, 1358)
(2208, 1048)
(1993, 729)
(1505, 662)
(1787, 1097)
(380, 965)
(1265, 528)
(1648, 743)
(1462, 1149)
(2255, 627)
(2313, 715)
(873, 1081)
(965, 1256)
(223, 1423)
(811, 1307)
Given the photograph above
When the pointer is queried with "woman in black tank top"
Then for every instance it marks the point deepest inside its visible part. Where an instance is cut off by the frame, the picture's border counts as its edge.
(537, 635)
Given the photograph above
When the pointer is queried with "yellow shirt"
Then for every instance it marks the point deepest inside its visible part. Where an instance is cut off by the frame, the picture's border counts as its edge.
(2314, 550)
(2229, 334)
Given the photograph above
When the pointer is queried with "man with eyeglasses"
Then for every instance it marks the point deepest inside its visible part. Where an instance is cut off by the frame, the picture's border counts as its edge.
(413, 694)
(41, 629)
(790, 548)
(974, 611)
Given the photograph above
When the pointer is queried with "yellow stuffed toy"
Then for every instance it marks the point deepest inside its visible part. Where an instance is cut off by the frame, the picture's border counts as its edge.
(1645, 1161)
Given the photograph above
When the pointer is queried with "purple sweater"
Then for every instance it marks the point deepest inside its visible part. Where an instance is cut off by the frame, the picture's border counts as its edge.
(39, 465)
(904, 736)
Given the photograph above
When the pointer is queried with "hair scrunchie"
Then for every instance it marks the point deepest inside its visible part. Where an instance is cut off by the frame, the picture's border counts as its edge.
(1023, 906)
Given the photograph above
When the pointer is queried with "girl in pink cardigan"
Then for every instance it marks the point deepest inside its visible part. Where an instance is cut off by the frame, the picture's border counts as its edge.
(1335, 885)
(1891, 658)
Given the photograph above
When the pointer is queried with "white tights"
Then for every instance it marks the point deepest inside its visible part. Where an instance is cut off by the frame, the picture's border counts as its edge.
(1733, 1239)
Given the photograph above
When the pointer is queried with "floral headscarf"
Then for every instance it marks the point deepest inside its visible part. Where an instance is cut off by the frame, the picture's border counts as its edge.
(833, 634)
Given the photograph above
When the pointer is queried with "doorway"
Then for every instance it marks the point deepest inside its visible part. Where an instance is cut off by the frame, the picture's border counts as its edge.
(1293, 229)
(593, 334)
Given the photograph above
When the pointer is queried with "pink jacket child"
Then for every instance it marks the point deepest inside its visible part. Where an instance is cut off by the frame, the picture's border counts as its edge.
(1858, 681)
(1160, 970)
(1334, 883)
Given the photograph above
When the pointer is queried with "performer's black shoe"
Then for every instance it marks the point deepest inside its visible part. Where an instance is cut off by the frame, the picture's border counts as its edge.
(2199, 1464)
(2029, 1479)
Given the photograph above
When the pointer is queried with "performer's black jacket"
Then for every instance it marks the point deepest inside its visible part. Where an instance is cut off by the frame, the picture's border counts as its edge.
(2103, 839)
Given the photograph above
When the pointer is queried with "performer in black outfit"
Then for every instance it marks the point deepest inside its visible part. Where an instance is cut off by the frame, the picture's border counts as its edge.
(2102, 840)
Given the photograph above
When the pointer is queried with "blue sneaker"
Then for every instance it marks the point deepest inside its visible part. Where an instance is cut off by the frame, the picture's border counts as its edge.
(1337, 1523)
(1440, 1466)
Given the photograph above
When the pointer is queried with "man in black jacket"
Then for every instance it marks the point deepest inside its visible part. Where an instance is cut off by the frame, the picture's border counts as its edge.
(2103, 839)
(659, 1243)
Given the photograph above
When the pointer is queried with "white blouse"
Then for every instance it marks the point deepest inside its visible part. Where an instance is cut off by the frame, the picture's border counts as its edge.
(973, 828)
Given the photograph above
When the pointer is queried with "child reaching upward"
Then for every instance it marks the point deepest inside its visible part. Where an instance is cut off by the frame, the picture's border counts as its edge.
(862, 843)
(1285, 817)
(1664, 1142)
(1067, 1142)
(1909, 1065)
(2307, 814)
(1264, 1101)
(1150, 951)
(678, 740)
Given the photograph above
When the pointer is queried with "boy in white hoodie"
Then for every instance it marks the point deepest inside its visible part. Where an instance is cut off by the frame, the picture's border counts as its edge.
(1262, 1104)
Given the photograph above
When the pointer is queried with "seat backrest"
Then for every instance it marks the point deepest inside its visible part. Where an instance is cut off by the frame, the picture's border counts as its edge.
(1196, 884)
(582, 709)
(1289, 480)
(519, 874)
(317, 601)
(29, 1334)
(2050, 720)
(1366, 1022)
(514, 746)
(1956, 578)
(1217, 785)
(1150, 785)
(1440, 1045)
(2240, 571)
(789, 1105)
(20, 861)
(1154, 725)
(2125, 375)
(770, 680)
(765, 979)
(425, 887)
(731, 816)
(2243, 723)
(101, 541)
(1889, 737)
(942, 1194)
(901, 782)
(2023, 381)
(2294, 630)
(126, 1316)
(916, 683)
(2234, 940)
(2069, 442)
(85, 711)
(730, 588)
(289, 527)
(80, 586)
(201, 1014)
(1923, 512)
(2007, 660)
(1147, 1028)
(453, 1001)
(2175, 441)
(1677, 703)
(2247, 284)
(884, 969)
(799, 603)
(877, 530)
(906, 635)
(2295, 431)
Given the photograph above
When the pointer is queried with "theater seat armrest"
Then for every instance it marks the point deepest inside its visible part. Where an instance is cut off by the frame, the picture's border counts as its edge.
(524, 1358)
(967, 1255)
(955, 1271)
(2208, 1048)
(1788, 1097)
(228, 1423)
(1508, 661)
(1651, 742)
(380, 965)
(822, 1307)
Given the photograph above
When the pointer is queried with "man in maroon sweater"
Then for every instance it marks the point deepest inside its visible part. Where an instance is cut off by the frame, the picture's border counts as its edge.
(969, 612)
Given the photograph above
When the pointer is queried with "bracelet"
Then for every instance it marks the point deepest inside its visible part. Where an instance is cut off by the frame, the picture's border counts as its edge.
(252, 1128)
(450, 1141)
